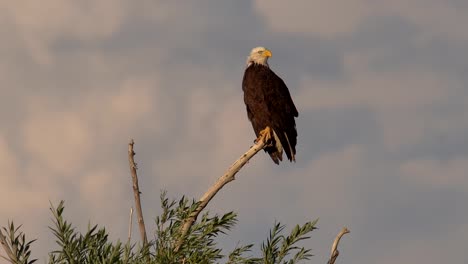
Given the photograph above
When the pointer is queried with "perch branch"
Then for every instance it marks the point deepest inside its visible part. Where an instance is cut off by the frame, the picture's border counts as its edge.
(223, 180)
(334, 250)
(136, 192)
(6, 247)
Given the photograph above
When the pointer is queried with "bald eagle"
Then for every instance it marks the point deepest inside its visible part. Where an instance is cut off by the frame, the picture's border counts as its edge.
(270, 108)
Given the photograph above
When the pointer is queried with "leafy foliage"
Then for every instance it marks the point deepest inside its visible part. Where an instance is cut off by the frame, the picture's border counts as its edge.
(92, 247)
(199, 245)
(15, 240)
(278, 247)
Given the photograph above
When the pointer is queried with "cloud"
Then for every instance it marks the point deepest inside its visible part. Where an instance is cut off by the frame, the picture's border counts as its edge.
(437, 18)
(10, 170)
(336, 18)
(325, 18)
(379, 90)
(59, 140)
(40, 24)
(95, 193)
(21, 193)
(339, 168)
(437, 173)
(404, 101)
(133, 101)
(8, 162)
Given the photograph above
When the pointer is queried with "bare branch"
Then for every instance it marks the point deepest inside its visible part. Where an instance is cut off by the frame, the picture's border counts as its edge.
(130, 224)
(334, 250)
(6, 247)
(223, 180)
(136, 192)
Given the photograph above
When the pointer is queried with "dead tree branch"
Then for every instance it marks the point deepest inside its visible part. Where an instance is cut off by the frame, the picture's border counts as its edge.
(130, 225)
(334, 250)
(11, 256)
(136, 192)
(223, 180)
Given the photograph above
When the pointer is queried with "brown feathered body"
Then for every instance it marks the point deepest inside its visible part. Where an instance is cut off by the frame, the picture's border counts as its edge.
(269, 103)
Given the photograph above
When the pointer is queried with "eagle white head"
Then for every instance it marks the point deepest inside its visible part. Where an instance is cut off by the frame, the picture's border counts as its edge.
(259, 55)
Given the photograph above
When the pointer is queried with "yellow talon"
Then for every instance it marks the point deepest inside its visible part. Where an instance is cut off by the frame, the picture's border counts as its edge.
(265, 135)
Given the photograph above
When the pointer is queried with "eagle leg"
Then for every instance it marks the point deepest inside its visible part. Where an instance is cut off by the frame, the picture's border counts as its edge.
(266, 136)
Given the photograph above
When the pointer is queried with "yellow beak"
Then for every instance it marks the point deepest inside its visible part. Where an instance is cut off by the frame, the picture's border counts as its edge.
(267, 53)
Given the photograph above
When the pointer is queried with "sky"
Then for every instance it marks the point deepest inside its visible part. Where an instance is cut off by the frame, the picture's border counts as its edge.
(381, 88)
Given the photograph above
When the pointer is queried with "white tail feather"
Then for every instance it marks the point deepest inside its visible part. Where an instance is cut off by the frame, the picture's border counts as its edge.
(279, 146)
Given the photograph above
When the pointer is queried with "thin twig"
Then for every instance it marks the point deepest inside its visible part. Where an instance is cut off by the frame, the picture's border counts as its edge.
(130, 224)
(136, 192)
(223, 180)
(334, 250)
(6, 247)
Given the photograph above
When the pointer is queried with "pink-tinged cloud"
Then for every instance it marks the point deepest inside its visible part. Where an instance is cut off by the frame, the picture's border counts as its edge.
(58, 139)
